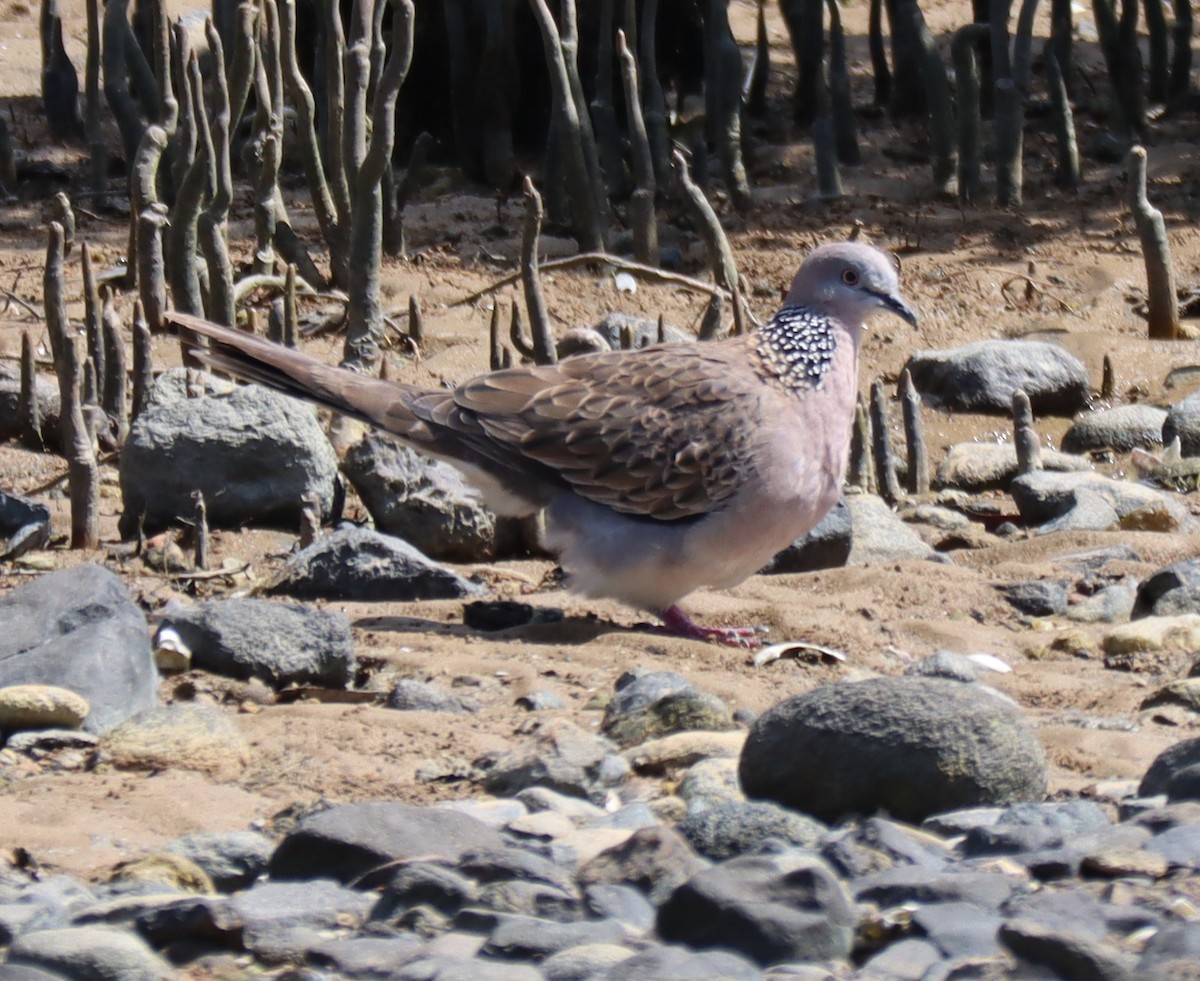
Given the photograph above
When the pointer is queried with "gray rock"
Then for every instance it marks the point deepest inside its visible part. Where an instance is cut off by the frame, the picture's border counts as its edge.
(10, 406)
(1121, 428)
(24, 526)
(233, 860)
(78, 629)
(651, 704)
(1183, 423)
(709, 783)
(672, 963)
(1037, 597)
(1071, 955)
(257, 456)
(827, 546)
(653, 860)
(282, 920)
(645, 330)
(768, 907)
(1112, 604)
(1171, 952)
(982, 377)
(172, 386)
(905, 960)
(279, 643)
(532, 899)
(1089, 512)
(1180, 846)
(878, 535)
(541, 700)
(1042, 496)
(959, 929)
(366, 957)
(623, 903)
(562, 757)
(530, 938)
(946, 664)
(466, 969)
(497, 865)
(411, 695)
(426, 502)
(917, 885)
(1175, 763)
(358, 564)
(1031, 827)
(990, 466)
(864, 847)
(425, 884)
(1169, 591)
(910, 746)
(89, 953)
(585, 962)
(346, 841)
(727, 830)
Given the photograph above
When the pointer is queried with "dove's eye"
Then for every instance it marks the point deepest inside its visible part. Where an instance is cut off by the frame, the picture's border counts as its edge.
(849, 277)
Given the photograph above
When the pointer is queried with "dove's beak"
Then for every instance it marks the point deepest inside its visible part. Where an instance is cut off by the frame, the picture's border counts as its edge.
(894, 303)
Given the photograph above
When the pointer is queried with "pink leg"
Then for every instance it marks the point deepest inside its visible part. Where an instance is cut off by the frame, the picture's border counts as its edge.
(678, 623)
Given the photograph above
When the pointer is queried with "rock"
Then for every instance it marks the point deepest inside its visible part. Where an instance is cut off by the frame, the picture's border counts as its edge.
(11, 418)
(232, 861)
(710, 783)
(465, 969)
(1031, 827)
(673, 963)
(653, 860)
(530, 938)
(827, 546)
(945, 664)
(1184, 692)
(424, 884)
(1181, 633)
(736, 828)
(878, 535)
(181, 736)
(584, 962)
(1071, 955)
(990, 466)
(1121, 428)
(346, 841)
(366, 957)
(411, 695)
(1183, 424)
(426, 502)
(78, 629)
(1112, 604)
(623, 903)
(910, 746)
(1042, 496)
(357, 564)
(768, 907)
(1037, 598)
(982, 377)
(279, 643)
(282, 920)
(562, 757)
(41, 707)
(1171, 953)
(257, 456)
(1167, 765)
(89, 953)
(1169, 591)
(651, 704)
(905, 960)
(24, 526)
(918, 885)
(172, 385)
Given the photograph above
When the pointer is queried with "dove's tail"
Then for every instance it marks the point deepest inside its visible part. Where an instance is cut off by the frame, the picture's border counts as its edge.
(253, 359)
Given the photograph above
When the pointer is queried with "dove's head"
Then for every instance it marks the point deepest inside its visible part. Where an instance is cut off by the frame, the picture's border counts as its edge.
(849, 282)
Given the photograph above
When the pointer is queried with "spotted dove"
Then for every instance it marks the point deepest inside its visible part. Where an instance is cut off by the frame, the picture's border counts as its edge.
(659, 470)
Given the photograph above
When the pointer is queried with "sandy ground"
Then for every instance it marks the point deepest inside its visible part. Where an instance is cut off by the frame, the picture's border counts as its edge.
(962, 270)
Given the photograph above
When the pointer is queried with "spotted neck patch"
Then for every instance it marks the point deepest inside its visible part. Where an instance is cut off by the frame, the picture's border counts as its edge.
(797, 346)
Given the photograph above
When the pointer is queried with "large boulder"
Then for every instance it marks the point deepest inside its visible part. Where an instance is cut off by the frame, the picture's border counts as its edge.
(983, 376)
(255, 455)
(78, 629)
(911, 746)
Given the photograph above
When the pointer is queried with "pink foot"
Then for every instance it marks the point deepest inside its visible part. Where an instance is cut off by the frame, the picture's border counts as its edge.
(679, 624)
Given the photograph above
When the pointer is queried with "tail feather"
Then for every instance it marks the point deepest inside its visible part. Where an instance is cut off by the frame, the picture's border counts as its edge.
(292, 373)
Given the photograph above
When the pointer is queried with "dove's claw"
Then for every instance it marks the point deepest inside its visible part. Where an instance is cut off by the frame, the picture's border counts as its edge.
(678, 623)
